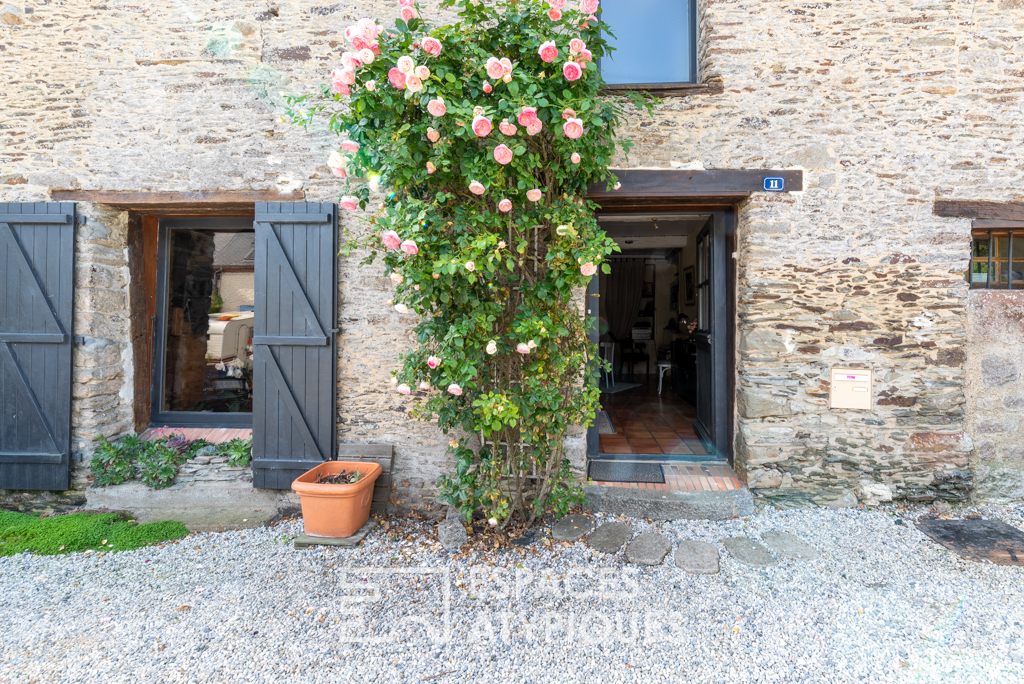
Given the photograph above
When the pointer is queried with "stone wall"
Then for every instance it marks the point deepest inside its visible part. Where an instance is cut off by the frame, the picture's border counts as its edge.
(995, 392)
(886, 106)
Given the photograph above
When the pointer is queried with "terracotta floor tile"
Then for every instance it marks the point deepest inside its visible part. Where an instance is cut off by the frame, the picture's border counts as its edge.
(617, 450)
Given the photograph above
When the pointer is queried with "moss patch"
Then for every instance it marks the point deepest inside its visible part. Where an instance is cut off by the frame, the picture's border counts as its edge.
(79, 532)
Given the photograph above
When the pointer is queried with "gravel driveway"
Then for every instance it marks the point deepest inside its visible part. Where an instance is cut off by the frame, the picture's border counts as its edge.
(882, 604)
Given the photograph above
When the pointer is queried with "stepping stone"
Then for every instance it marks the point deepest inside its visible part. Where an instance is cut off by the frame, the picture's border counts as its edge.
(304, 541)
(649, 548)
(749, 552)
(790, 546)
(610, 537)
(572, 527)
(697, 557)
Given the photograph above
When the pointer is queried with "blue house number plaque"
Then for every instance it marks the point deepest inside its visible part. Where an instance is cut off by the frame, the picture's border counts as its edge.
(775, 184)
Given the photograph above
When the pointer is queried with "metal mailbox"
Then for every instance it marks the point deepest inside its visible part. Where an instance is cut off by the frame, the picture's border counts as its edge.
(850, 389)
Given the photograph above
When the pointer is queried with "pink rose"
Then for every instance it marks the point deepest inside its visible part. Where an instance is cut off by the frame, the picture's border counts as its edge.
(422, 72)
(494, 68)
(547, 51)
(397, 78)
(617, 186)
(371, 85)
(573, 128)
(507, 128)
(431, 46)
(523, 348)
(436, 276)
(391, 239)
(527, 116)
(575, 158)
(432, 135)
(502, 154)
(505, 205)
(423, 385)
(534, 195)
(337, 164)
(589, 6)
(481, 126)
(554, 15)
(436, 107)
(340, 88)
(455, 389)
(401, 308)
(409, 247)
(360, 43)
(406, 3)
(585, 56)
(557, 4)
(349, 202)
(344, 76)
(405, 64)
(572, 71)
(477, 188)
(397, 278)
(507, 78)
(431, 168)
(577, 45)
(340, 172)
(366, 56)
(413, 83)
(470, 266)
(534, 128)
(588, 269)
(408, 14)
(568, 113)
(403, 389)
(487, 87)
(350, 146)
(506, 65)
(433, 362)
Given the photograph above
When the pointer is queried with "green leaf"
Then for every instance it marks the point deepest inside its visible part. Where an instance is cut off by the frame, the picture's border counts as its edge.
(513, 88)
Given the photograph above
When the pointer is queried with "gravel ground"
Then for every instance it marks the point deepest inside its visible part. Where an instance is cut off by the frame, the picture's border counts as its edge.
(882, 604)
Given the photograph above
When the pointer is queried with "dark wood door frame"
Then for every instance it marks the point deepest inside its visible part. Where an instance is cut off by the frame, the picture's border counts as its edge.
(714, 190)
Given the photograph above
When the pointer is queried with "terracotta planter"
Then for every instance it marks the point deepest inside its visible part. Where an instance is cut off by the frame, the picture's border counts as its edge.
(336, 510)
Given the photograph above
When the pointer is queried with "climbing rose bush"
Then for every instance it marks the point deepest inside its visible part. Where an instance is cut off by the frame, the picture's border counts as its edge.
(484, 136)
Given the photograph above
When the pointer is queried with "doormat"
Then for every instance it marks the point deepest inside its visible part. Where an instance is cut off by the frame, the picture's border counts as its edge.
(977, 539)
(604, 424)
(619, 387)
(611, 471)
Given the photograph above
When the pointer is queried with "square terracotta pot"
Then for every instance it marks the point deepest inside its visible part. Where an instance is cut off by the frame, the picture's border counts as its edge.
(336, 510)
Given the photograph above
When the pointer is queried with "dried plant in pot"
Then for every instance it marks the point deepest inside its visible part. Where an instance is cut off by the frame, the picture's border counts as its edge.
(336, 497)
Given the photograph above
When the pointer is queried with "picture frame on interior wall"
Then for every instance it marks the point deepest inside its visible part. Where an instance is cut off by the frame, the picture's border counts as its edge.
(689, 287)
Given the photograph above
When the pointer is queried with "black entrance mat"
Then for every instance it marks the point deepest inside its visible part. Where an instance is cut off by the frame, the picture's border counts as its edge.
(612, 471)
(977, 539)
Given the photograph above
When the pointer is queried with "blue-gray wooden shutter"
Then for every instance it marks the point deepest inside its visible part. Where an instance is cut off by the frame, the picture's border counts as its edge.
(37, 249)
(295, 358)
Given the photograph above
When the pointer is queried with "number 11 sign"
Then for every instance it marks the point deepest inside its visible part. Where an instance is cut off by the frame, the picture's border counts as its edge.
(775, 184)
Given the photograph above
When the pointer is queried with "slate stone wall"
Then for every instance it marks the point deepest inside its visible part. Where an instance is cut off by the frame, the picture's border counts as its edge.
(886, 106)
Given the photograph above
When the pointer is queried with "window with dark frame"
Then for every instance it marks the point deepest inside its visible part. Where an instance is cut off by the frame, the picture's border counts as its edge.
(654, 41)
(997, 260)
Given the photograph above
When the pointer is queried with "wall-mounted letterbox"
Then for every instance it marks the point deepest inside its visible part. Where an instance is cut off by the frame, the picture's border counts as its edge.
(850, 389)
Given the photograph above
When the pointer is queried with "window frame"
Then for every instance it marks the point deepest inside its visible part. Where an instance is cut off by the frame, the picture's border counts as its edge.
(158, 415)
(688, 87)
(992, 260)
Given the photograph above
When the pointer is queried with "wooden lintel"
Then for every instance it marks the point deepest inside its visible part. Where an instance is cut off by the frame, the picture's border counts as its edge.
(1003, 211)
(199, 203)
(996, 224)
(668, 89)
(672, 186)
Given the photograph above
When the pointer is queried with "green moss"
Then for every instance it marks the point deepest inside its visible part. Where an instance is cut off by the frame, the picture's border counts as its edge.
(79, 532)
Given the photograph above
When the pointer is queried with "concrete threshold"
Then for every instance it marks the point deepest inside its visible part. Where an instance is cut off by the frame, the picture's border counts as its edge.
(670, 505)
(199, 506)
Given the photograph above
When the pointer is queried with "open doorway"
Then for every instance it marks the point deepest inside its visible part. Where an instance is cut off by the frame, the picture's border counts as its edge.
(662, 323)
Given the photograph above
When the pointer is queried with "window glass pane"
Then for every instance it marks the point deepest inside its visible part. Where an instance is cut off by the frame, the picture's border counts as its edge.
(209, 321)
(654, 41)
(979, 262)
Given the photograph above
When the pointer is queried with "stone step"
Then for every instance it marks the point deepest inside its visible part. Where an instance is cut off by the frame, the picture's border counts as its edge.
(669, 505)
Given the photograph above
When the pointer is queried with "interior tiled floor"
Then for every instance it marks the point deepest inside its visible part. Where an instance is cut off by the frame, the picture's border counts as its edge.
(649, 423)
(689, 477)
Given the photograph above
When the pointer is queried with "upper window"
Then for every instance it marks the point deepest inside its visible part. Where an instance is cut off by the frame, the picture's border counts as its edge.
(655, 42)
(997, 260)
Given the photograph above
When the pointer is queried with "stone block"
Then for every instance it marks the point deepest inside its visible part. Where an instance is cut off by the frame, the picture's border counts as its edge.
(788, 545)
(610, 537)
(572, 527)
(997, 370)
(451, 534)
(762, 342)
(874, 493)
(697, 557)
(761, 405)
(649, 548)
(749, 552)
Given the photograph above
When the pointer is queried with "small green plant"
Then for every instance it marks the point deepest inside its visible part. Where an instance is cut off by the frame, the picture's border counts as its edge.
(239, 452)
(80, 532)
(112, 463)
(158, 465)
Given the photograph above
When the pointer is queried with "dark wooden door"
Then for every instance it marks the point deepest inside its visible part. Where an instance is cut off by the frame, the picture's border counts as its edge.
(295, 358)
(37, 248)
(712, 338)
(593, 314)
